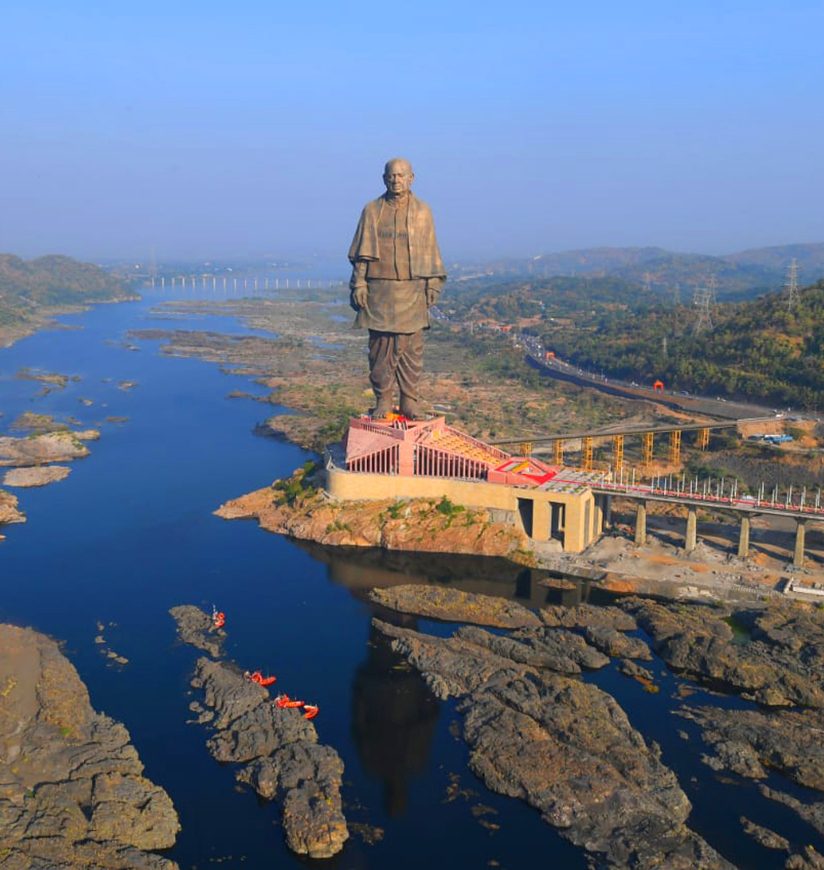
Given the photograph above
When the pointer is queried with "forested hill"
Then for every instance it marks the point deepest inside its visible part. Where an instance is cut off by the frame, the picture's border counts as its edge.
(672, 274)
(56, 280)
(756, 350)
(29, 287)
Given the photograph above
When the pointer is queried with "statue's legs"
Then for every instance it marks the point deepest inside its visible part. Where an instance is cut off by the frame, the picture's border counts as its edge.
(396, 358)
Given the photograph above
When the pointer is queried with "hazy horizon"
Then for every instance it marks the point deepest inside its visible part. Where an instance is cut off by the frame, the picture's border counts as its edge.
(202, 133)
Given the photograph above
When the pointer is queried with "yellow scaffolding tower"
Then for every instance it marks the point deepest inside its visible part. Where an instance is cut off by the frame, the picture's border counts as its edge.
(648, 445)
(526, 448)
(558, 452)
(703, 441)
(675, 447)
(617, 453)
(586, 453)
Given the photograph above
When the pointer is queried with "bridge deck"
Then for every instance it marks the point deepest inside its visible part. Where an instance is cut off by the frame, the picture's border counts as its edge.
(738, 504)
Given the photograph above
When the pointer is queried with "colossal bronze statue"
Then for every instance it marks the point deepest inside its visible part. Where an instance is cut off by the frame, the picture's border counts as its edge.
(397, 275)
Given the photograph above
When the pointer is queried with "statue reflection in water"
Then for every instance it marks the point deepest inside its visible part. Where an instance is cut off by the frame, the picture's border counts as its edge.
(393, 718)
(394, 714)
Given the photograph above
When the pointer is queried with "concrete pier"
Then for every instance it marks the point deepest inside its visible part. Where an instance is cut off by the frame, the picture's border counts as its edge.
(641, 523)
(691, 536)
(798, 554)
(744, 537)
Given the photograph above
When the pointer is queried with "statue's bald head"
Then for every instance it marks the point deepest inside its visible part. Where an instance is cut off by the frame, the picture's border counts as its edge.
(398, 176)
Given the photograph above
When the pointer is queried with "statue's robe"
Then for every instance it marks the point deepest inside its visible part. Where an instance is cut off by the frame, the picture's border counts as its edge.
(400, 264)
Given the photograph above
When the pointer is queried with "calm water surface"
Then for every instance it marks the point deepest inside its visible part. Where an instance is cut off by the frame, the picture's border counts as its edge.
(130, 533)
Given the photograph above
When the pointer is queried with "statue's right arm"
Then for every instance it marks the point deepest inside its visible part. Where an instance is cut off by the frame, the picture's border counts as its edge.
(357, 285)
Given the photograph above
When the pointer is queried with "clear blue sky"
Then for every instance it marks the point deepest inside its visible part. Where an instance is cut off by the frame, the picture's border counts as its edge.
(218, 129)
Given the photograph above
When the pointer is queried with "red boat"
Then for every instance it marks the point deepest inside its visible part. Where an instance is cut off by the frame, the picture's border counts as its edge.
(310, 711)
(285, 702)
(218, 617)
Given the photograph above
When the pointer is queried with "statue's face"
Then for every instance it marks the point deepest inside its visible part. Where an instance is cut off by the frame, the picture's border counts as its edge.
(398, 177)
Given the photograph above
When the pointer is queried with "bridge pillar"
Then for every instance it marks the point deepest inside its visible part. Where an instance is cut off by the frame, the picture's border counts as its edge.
(641, 523)
(691, 537)
(558, 452)
(798, 555)
(744, 537)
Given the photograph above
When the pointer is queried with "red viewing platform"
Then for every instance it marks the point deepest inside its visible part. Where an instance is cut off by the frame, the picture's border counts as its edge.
(430, 448)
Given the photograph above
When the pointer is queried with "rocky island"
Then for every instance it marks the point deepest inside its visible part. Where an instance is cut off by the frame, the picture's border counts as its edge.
(72, 790)
(277, 747)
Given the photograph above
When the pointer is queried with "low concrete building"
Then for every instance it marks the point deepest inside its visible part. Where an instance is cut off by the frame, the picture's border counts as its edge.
(399, 458)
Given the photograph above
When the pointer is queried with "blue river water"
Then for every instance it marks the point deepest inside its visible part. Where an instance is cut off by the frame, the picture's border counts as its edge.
(130, 533)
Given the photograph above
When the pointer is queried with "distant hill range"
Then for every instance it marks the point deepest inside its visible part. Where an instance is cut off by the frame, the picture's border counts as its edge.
(741, 275)
(32, 289)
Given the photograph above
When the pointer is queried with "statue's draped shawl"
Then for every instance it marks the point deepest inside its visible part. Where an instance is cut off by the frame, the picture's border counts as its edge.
(424, 254)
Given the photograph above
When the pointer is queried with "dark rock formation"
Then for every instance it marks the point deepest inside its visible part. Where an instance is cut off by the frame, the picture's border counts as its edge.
(749, 741)
(284, 758)
(782, 664)
(195, 627)
(563, 746)
(614, 643)
(630, 669)
(587, 616)
(764, 836)
(452, 605)
(813, 814)
(809, 859)
(72, 793)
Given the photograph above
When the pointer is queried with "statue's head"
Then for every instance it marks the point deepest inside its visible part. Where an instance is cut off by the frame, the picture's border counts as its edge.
(398, 176)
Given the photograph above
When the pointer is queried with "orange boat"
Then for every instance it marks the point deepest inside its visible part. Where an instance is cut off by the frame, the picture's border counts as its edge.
(285, 702)
(310, 711)
(257, 677)
(218, 617)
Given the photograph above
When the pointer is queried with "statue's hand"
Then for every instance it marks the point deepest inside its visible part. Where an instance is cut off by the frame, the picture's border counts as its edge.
(432, 294)
(358, 298)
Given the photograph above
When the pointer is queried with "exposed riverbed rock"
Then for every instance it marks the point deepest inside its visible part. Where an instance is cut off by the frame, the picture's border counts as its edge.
(72, 793)
(618, 645)
(562, 745)
(748, 742)
(414, 525)
(41, 449)
(9, 512)
(278, 747)
(452, 605)
(812, 813)
(36, 476)
(764, 836)
(781, 663)
(587, 616)
(195, 627)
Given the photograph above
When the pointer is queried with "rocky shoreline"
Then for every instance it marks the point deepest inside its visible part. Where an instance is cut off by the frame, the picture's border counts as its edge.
(278, 748)
(299, 508)
(72, 793)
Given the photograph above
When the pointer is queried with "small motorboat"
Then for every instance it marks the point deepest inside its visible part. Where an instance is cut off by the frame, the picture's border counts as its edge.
(310, 711)
(218, 617)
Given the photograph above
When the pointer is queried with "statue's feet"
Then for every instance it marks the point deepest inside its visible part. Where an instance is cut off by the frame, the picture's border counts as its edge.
(412, 411)
(381, 411)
